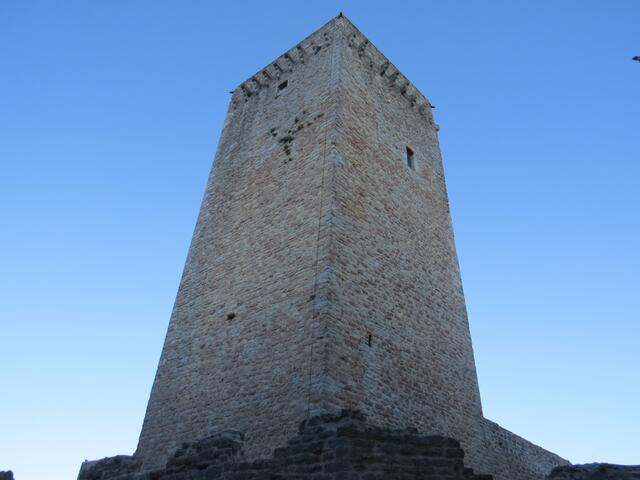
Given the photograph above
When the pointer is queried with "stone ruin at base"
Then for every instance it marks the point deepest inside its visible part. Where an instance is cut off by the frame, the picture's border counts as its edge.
(328, 447)
(322, 277)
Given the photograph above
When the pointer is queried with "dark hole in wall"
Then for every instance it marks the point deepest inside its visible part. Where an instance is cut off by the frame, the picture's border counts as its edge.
(283, 85)
(410, 159)
(231, 316)
(369, 339)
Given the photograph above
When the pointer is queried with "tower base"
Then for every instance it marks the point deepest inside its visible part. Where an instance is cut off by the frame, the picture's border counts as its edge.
(327, 447)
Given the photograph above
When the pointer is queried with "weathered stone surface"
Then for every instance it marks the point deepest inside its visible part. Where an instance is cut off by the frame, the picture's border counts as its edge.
(119, 467)
(596, 471)
(510, 457)
(322, 273)
(327, 447)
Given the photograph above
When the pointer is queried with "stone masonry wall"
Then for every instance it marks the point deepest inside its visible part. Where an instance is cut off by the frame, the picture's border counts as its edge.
(328, 447)
(596, 471)
(400, 347)
(322, 273)
(237, 350)
(509, 456)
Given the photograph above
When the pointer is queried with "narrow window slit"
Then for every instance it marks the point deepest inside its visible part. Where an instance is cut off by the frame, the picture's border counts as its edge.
(283, 85)
(411, 163)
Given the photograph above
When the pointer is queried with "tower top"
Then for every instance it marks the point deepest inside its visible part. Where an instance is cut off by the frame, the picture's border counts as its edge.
(281, 67)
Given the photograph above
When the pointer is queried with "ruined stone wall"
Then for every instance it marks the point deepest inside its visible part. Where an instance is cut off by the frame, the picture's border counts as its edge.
(596, 471)
(237, 350)
(327, 447)
(509, 456)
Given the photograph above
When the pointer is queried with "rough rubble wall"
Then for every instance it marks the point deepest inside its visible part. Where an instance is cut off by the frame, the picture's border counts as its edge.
(596, 471)
(237, 350)
(328, 447)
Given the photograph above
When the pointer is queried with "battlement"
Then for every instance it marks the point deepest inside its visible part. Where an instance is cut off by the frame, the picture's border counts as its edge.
(282, 66)
(394, 78)
(279, 70)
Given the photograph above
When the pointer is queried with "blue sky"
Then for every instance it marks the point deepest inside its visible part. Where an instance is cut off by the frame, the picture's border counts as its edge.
(110, 115)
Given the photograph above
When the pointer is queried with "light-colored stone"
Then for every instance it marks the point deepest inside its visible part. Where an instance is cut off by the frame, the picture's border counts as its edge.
(322, 274)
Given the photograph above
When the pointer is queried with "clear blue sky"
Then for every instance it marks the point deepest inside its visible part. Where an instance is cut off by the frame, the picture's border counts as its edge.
(109, 117)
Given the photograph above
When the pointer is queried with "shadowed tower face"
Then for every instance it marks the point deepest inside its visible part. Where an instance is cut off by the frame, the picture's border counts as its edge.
(322, 273)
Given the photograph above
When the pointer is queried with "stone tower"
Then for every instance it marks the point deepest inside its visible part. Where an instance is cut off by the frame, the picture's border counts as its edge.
(322, 273)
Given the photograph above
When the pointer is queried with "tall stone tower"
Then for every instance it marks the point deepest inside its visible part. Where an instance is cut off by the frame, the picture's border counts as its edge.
(322, 273)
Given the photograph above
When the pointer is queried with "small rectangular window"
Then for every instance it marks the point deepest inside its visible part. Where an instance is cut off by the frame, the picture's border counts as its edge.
(410, 159)
(283, 85)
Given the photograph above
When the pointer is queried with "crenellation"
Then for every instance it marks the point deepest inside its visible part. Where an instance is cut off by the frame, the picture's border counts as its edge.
(258, 84)
(392, 78)
(291, 63)
(384, 67)
(403, 85)
(267, 74)
(412, 95)
(246, 89)
(285, 64)
(290, 60)
(362, 47)
(278, 68)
